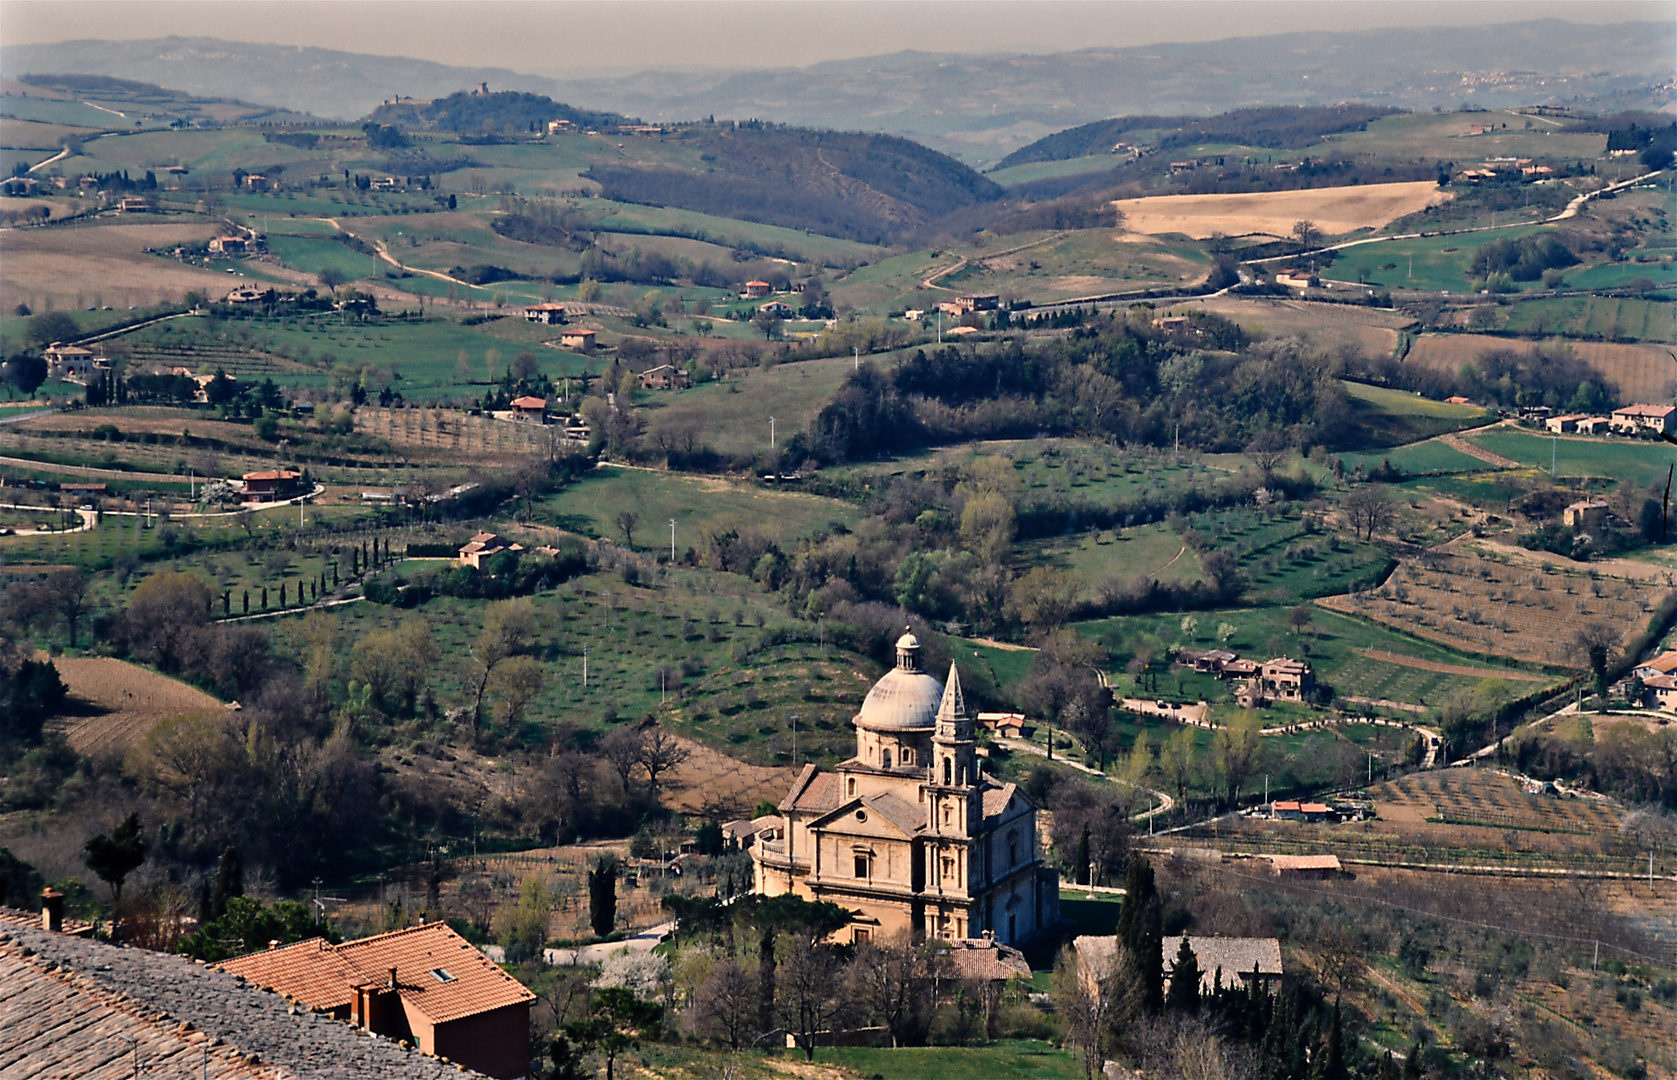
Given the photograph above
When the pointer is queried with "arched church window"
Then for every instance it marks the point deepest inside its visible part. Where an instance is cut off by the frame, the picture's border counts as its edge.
(948, 769)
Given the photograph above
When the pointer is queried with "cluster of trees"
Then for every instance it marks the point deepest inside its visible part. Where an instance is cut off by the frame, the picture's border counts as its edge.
(1546, 375)
(1115, 378)
(1277, 127)
(1522, 259)
(796, 178)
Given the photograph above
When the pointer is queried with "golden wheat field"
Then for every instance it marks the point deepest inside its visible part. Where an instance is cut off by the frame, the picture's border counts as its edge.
(1334, 210)
(116, 704)
(1329, 326)
(75, 266)
(1641, 372)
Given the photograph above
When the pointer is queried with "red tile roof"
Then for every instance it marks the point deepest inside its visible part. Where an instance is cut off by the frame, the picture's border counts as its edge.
(311, 971)
(529, 403)
(438, 972)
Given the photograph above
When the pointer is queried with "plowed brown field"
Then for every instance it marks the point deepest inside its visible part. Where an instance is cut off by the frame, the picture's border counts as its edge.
(1641, 372)
(1334, 210)
(115, 704)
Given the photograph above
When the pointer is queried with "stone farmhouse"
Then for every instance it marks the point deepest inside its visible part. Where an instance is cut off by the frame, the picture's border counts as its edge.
(424, 984)
(546, 314)
(1634, 418)
(485, 545)
(909, 834)
(580, 340)
(1585, 515)
(756, 290)
(663, 377)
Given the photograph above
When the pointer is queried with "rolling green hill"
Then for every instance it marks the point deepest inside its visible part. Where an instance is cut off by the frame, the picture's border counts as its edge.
(1275, 128)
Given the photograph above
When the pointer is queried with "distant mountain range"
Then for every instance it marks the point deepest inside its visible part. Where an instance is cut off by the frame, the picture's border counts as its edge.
(977, 108)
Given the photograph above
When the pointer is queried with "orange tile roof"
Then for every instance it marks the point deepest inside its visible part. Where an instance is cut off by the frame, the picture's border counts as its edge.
(529, 403)
(477, 985)
(310, 971)
(325, 976)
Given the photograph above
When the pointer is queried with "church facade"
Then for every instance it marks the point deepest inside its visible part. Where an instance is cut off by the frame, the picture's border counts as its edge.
(910, 833)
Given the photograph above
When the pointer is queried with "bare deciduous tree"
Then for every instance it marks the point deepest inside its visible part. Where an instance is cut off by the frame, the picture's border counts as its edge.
(659, 752)
(1368, 509)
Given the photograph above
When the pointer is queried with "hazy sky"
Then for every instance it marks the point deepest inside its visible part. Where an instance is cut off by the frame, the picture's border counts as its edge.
(561, 37)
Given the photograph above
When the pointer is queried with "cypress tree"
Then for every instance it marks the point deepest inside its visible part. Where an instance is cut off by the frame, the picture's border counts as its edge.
(1184, 981)
(1330, 1062)
(602, 895)
(229, 881)
(1142, 937)
(1080, 861)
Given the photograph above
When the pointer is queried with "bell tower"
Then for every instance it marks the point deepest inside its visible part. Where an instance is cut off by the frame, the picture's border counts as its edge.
(954, 786)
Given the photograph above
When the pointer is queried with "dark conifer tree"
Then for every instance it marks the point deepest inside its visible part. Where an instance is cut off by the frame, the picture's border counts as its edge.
(1184, 981)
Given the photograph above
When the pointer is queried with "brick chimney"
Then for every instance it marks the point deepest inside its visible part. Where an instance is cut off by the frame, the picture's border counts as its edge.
(392, 978)
(52, 910)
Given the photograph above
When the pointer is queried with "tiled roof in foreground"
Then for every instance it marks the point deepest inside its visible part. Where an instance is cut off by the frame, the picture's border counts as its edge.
(70, 1007)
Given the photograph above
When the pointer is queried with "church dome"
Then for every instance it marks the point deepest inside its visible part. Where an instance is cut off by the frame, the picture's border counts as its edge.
(903, 700)
(907, 698)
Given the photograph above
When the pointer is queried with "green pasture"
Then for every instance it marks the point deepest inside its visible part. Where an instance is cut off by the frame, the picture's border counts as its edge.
(1407, 403)
(893, 284)
(1014, 175)
(187, 538)
(427, 354)
(1444, 137)
(1008, 1059)
(1609, 317)
(700, 506)
(316, 256)
(1333, 644)
(1285, 558)
(1146, 551)
(630, 631)
(1429, 458)
(728, 232)
(1640, 461)
(1083, 262)
(1618, 275)
(731, 415)
(1428, 263)
(1008, 667)
(68, 113)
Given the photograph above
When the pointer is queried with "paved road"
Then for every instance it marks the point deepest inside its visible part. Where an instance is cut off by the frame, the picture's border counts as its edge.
(1165, 801)
(90, 519)
(594, 955)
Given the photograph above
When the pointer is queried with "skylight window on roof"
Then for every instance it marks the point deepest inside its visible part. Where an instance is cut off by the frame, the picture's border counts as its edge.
(441, 975)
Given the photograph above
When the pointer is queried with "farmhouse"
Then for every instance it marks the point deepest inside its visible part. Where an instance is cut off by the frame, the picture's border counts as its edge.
(1171, 322)
(1663, 664)
(546, 314)
(1593, 425)
(1586, 515)
(909, 834)
(777, 309)
(663, 377)
(1564, 424)
(1660, 692)
(426, 984)
(257, 182)
(1209, 662)
(133, 204)
(558, 127)
(529, 410)
(756, 290)
(1009, 725)
(1632, 418)
(1305, 866)
(580, 340)
(246, 294)
(228, 245)
(486, 545)
(1298, 279)
(83, 1008)
(272, 485)
(977, 302)
(71, 362)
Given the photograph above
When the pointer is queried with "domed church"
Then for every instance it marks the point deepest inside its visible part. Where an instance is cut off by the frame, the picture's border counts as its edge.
(910, 833)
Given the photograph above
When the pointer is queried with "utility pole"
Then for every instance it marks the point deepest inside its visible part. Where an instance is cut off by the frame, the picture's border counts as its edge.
(771, 431)
(585, 667)
(794, 740)
(672, 541)
(857, 351)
